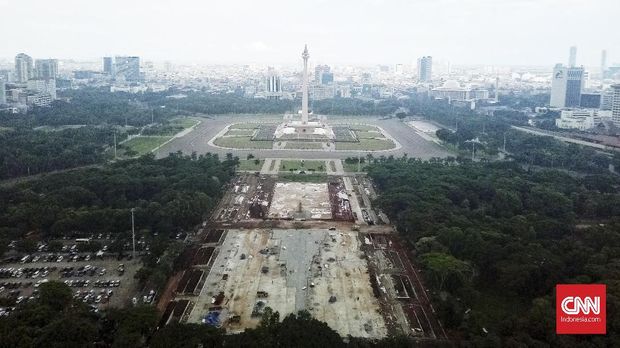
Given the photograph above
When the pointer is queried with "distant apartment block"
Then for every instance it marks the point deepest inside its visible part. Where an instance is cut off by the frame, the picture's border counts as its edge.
(615, 105)
(127, 68)
(24, 70)
(46, 69)
(425, 69)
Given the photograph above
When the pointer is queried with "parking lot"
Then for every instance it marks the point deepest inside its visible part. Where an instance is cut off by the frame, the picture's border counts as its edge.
(102, 281)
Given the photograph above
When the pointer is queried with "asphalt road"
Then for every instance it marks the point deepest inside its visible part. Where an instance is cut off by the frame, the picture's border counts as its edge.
(411, 143)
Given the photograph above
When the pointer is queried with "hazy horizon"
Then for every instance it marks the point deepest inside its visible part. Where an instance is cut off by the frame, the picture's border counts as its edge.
(474, 32)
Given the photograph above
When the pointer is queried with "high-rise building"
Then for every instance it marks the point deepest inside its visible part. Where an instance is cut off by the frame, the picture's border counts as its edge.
(46, 68)
(615, 105)
(572, 57)
(497, 89)
(590, 100)
(108, 66)
(43, 86)
(273, 81)
(425, 69)
(327, 78)
(127, 68)
(319, 71)
(566, 86)
(603, 63)
(399, 69)
(23, 68)
(274, 84)
(607, 99)
(6, 75)
(2, 92)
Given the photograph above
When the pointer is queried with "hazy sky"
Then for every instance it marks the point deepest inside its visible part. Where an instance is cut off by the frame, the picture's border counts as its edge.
(507, 32)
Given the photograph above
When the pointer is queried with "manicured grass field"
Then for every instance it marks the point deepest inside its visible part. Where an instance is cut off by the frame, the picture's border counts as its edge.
(250, 165)
(316, 166)
(173, 127)
(143, 145)
(367, 145)
(184, 122)
(314, 178)
(247, 132)
(244, 126)
(242, 143)
(363, 127)
(368, 134)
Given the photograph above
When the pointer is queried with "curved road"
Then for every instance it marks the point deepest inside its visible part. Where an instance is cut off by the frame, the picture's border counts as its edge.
(411, 143)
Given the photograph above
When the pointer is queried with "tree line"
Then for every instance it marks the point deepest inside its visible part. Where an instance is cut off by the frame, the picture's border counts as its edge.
(494, 239)
(55, 319)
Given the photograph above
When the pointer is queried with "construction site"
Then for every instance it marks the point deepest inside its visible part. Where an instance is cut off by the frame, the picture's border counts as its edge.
(292, 245)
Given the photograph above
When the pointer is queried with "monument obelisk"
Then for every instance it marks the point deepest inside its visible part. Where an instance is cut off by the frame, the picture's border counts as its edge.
(304, 97)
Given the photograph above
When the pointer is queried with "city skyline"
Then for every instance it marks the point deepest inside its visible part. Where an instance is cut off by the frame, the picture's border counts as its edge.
(371, 32)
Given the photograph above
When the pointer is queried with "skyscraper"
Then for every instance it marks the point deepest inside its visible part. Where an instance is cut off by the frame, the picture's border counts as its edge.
(615, 105)
(425, 69)
(320, 71)
(274, 84)
(127, 68)
(46, 68)
(603, 63)
(273, 81)
(23, 68)
(607, 99)
(108, 65)
(327, 78)
(566, 86)
(2, 92)
(572, 57)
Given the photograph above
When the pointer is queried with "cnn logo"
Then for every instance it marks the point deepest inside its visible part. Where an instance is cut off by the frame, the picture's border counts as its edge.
(575, 305)
(580, 309)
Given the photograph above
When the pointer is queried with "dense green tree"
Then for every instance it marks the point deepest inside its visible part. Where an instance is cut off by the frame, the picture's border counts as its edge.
(494, 239)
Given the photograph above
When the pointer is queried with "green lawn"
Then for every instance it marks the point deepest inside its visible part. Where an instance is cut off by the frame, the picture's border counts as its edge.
(242, 143)
(315, 178)
(363, 127)
(143, 145)
(367, 145)
(246, 132)
(368, 134)
(173, 127)
(316, 166)
(58, 128)
(250, 165)
(184, 122)
(303, 146)
(244, 126)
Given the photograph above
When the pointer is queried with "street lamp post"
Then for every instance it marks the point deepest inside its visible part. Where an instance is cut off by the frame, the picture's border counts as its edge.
(133, 232)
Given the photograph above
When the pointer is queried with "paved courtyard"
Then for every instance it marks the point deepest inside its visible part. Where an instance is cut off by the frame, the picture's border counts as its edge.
(197, 141)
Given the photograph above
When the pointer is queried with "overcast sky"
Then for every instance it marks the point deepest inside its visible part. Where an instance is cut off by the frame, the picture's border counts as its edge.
(503, 32)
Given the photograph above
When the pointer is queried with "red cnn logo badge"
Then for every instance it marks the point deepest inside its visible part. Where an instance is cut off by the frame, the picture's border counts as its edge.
(580, 309)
